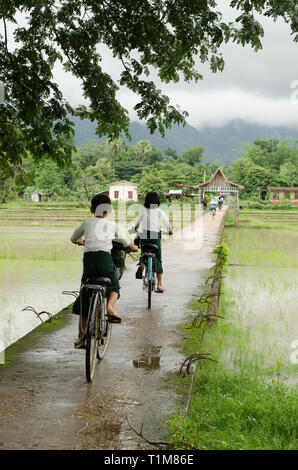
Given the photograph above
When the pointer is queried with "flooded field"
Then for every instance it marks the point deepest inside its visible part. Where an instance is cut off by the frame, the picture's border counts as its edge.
(261, 289)
(36, 264)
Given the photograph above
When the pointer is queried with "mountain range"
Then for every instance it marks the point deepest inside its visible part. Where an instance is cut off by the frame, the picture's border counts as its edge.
(220, 143)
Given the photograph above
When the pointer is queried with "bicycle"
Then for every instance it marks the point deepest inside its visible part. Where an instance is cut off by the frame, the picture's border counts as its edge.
(149, 279)
(98, 329)
(213, 211)
(148, 256)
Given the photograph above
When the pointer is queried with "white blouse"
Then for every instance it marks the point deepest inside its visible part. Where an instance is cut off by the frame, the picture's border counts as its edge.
(99, 233)
(152, 220)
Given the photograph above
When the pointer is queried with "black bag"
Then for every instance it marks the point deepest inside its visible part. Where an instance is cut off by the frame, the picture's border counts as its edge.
(118, 254)
(137, 240)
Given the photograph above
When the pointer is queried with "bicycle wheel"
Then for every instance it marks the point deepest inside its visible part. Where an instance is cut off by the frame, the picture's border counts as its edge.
(92, 336)
(105, 331)
(149, 293)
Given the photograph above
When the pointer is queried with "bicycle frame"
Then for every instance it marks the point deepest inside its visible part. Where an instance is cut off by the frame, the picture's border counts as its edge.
(149, 280)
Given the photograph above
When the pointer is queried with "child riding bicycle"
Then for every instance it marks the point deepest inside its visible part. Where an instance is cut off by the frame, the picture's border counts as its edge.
(151, 219)
(213, 203)
(98, 234)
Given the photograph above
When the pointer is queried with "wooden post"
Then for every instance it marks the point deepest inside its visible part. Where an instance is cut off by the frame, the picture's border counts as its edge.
(237, 211)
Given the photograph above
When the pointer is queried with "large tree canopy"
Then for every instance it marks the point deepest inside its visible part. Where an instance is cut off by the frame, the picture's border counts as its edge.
(166, 35)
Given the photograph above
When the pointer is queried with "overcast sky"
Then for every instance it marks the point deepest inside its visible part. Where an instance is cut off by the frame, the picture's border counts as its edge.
(255, 87)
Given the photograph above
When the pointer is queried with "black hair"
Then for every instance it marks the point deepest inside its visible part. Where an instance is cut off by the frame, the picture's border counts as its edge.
(152, 199)
(100, 200)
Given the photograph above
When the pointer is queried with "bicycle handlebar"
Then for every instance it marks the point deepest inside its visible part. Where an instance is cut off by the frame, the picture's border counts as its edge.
(163, 232)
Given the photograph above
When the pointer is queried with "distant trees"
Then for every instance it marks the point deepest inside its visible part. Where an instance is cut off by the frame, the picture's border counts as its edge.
(193, 155)
(266, 163)
(96, 164)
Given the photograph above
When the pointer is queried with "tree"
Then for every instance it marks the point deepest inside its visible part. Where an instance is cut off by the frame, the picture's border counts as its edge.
(150, 180)
(126, 169)
(144, 34)
(193, 155)
(90, 152)
(239, 170)
(288, 174)
(146, 153)
(50, 179)
(171, 154)
(102, 171)
(257, 178)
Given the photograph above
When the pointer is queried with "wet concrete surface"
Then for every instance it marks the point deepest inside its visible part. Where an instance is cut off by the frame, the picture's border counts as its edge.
(45, 401)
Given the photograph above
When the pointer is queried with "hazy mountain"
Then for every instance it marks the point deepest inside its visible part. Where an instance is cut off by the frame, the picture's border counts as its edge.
(220, 143)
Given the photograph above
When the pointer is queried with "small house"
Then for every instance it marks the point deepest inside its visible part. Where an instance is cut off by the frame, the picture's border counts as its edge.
(36, 197)
(124, 191)
(174, 193)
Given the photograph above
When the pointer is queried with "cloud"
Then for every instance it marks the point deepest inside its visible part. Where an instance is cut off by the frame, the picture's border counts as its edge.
(219, 107)
(255, 87)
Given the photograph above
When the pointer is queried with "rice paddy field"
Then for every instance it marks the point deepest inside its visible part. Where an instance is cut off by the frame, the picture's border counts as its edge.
(248, 400)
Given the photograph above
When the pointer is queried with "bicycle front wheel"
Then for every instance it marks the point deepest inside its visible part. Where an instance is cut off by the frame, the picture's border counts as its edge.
(92, 336)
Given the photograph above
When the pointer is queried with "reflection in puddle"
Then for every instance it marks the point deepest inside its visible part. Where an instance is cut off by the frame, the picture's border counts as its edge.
(149, 360)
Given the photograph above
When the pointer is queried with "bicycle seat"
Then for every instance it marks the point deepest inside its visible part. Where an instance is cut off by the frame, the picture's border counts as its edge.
(150, 247)
(99, 281)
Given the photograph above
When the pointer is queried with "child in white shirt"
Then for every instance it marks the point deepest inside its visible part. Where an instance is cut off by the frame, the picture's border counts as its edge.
(98, 234)
(151, 219)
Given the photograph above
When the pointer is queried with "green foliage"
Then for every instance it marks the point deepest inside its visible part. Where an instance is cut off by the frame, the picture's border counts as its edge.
(193, 155)
(166, 35)
(223, 252)
(150, 180)
(96, 164)
(264, 164)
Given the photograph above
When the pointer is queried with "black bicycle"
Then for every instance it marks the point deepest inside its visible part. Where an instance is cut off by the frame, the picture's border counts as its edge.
(99, 329)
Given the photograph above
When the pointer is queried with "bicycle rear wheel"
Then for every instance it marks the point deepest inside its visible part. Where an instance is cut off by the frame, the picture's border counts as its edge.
(150, 279)
(104, 334)
(92, 336)
(149, 293)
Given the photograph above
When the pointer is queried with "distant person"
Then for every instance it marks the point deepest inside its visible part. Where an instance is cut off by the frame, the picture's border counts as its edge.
(220, 201)
(213, 204)
(98, 234)
(204, 202)
(151, 219)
